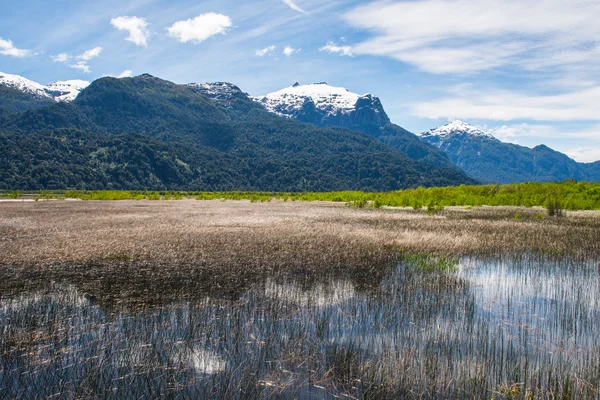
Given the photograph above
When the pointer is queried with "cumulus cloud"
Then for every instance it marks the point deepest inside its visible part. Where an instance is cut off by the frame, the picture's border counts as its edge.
(332, 47)
(125, 74)
(137, 28)
(7, 48)
(266, 51)
(463, 36)
(293, 6)
(82, 59)
(200, 28)
(289, 51)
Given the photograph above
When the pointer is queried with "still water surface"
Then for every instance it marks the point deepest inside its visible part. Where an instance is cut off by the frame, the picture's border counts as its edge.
(492, 328)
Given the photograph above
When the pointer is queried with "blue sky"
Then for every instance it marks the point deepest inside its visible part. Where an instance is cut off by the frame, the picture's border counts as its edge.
(526, 70)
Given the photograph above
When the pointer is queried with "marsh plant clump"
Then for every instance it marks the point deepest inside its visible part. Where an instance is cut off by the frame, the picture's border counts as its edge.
(283, 299)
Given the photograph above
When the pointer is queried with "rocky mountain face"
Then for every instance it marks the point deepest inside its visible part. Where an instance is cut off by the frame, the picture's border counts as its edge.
(148, 133)
(488, 159)
(324, 105)
(329, 106)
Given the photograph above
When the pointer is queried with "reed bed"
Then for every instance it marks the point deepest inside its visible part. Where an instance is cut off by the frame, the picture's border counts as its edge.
(280, 299)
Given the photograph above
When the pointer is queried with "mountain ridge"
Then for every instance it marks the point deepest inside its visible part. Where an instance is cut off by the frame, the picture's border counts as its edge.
(324, 105)
(147, 133)
(490, 160)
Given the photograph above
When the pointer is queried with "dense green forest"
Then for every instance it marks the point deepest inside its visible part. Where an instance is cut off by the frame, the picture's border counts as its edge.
(570, 195)
(145, 133)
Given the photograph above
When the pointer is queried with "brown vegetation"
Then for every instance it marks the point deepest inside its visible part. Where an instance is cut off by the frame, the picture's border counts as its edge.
(129, 250)
(275, 233)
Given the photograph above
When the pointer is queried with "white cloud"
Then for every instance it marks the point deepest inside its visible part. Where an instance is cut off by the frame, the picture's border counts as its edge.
(82, 66)
(584, 154)
(331, 47)
(125, 74)
(266, 51)
(289, 51)
(200, 28)
(501, 105)
(463, 36)
(82, 59)
(293, 6)
(8, 49)
(89, 54)
(137, 28)
(62, 58)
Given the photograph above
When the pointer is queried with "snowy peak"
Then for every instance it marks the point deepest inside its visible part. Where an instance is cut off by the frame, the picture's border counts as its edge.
(455, 128)
(58, 91)
(66, 90)
(326, 98)
(222, 92)
(23, 84)
(216, 89)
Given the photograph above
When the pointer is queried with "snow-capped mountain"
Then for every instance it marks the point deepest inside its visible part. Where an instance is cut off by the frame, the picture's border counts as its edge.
(488, 159)
(326, 105)
(58, 91)
(456, 128)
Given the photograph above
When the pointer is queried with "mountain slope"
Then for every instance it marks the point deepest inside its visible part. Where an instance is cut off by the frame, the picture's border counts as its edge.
(326, 106)
(488, 159)
(147, 133)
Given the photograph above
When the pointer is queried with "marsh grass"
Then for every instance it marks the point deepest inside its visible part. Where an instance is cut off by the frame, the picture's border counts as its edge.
(288, 299)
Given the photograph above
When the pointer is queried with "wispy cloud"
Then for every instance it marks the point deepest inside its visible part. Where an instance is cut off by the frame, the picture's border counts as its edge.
(82, 59)
(82, 66)
(265, 51)
(293, 6)
(89, 54)
(584, 154)
(62, 57)
(563, 137)
(125, 74)
(137, 28)
(463, 36)
(332, 47)
(200, 28)
(289, 51)
(503, 105)
(7, 48)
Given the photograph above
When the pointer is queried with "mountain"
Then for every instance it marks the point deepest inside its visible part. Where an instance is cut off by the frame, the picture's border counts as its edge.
(148, 133)
(488, 159)
(327, 106)
(57, 91)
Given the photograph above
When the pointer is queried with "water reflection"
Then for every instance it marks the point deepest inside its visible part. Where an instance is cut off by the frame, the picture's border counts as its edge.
(520, 324)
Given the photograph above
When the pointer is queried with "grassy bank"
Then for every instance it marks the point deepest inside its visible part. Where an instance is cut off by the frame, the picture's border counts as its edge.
(569, 195)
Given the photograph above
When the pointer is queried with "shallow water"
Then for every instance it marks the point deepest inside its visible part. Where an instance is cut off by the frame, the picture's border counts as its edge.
(498, 327)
